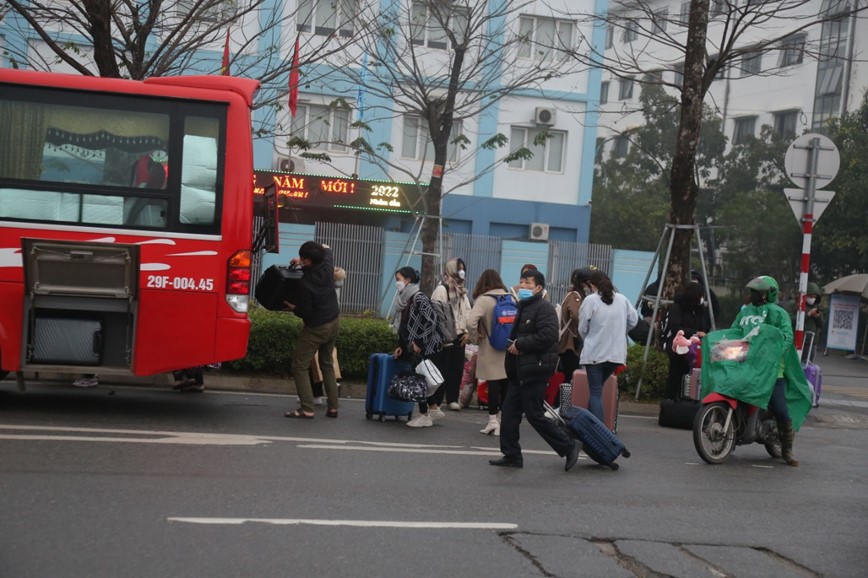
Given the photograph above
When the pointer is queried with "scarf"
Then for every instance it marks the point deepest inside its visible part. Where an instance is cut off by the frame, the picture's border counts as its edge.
(402, 299)
(455, 289)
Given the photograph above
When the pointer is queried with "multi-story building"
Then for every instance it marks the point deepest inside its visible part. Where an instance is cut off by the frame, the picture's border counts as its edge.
(813, 73)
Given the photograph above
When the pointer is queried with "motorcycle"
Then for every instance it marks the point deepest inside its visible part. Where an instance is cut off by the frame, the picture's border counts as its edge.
(722, 423)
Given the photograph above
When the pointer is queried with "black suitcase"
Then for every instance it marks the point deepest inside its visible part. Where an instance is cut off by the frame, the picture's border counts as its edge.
(678, 413)
(279, 284)
(67, 341)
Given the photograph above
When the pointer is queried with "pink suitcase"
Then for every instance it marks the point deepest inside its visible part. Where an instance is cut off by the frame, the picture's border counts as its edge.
(580, 395)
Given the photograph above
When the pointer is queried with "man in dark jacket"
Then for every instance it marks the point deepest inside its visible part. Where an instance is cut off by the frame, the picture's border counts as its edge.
(531, 359)
(317, 305)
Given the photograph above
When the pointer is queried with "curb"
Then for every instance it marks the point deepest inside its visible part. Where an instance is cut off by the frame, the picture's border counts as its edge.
(219, 381)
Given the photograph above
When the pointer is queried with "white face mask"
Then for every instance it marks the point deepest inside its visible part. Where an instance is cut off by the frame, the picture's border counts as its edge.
(461, 274)
(702, 301)
(811, 300)
(400, 285)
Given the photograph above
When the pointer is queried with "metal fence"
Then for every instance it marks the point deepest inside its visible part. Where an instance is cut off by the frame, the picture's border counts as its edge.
(479, 252)
(565, 256)
(358, 249)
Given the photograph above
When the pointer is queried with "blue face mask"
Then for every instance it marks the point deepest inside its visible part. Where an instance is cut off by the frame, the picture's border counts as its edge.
(525, 294)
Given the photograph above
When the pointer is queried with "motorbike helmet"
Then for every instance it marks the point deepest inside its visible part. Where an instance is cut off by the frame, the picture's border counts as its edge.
(767, 285)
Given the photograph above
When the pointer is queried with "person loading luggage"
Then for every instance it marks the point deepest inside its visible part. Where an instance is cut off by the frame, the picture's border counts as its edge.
(531, 359)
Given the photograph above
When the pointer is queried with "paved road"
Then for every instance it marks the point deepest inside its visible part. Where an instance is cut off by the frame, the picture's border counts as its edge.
(130, 482)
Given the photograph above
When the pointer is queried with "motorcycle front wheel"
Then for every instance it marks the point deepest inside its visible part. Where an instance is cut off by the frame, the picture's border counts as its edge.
(713, 441)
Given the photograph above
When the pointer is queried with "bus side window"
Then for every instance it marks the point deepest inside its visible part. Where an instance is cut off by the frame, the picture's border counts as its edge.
(198, 180)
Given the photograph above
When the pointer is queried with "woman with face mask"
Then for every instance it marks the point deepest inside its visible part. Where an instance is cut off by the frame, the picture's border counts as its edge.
(416, 323)
(570, 344)
(453, 306)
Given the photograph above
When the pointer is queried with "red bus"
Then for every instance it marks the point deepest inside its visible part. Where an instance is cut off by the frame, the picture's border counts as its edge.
(126, 216)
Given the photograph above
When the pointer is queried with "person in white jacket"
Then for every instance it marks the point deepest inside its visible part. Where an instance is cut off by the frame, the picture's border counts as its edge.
(453, 306)
(605, 317)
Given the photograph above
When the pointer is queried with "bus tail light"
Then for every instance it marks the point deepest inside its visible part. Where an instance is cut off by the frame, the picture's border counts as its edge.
(238, 280)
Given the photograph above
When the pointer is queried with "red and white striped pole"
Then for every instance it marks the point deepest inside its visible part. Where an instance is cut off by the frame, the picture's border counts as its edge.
(807, 231)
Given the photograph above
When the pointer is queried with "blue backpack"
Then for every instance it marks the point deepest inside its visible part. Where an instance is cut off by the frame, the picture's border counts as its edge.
(505, 312)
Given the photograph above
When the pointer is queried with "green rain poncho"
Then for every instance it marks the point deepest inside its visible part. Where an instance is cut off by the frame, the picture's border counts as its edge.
(748, 372)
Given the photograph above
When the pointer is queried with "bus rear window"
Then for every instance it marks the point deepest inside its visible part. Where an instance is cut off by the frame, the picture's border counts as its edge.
(108, 160)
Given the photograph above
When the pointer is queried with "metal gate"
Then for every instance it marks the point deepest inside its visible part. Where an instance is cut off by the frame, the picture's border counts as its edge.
(565, 256)
(479, 252)
(358, 249)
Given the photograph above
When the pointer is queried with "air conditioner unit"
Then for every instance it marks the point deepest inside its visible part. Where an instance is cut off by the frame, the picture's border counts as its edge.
(538, 232)
(289, 164)
(544, 115)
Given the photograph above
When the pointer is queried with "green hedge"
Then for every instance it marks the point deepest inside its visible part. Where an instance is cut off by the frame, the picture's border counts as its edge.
(273, 335)
(654, 372)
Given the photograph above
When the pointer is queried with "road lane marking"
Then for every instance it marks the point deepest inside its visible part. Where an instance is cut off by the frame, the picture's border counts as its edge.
(355, 523)
(195, 438)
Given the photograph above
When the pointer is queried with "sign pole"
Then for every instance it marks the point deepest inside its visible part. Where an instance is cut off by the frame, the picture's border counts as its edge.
(817, 155)
(807, 233)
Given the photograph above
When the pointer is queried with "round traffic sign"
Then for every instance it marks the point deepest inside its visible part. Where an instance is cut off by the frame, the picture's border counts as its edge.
(797, 161)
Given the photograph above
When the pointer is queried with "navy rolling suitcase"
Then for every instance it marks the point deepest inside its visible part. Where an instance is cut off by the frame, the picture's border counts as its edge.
(599, 442)
(382, 367)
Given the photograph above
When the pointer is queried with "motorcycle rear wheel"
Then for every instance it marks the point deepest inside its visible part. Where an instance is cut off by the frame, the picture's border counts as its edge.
(713, 442)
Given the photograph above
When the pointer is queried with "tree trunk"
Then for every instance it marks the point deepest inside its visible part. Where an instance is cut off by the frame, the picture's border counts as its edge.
(683, 188)
(99, 14)
(439, 115)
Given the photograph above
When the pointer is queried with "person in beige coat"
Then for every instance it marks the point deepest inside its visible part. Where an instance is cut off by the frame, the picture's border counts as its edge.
(490, 361)
(570, 344)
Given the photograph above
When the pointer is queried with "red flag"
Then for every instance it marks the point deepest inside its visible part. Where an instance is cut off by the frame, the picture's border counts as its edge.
(224, 69)
(293, 80)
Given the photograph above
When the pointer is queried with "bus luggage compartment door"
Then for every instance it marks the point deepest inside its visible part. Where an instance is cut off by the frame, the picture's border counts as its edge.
(80, 303)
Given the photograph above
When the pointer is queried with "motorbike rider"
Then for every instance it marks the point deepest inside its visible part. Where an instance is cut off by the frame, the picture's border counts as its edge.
(763, 309)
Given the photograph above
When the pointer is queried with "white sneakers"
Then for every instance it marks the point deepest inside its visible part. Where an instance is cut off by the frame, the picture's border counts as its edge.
(86, 382)
(435, 413)
(455, 406)
(421, 420)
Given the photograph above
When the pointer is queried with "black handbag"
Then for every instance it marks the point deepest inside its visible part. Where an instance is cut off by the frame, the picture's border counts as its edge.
(408, 387)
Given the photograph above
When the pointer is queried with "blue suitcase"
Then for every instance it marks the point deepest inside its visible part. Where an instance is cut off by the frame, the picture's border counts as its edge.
(382, 367)
(598, 442)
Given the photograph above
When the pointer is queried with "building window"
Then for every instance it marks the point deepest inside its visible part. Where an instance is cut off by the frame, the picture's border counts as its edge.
(545, 39)
(717, 8)
(630, 32)
(599, 147)
(324, 127)
(678, 74)
(785, 123)
(427, 27)
(416, 140)
(620, 146)
(625, 89)
(548, 148)
(830, 64)
(325, 17)
(604, 92)
(610, 35)
(792, 51)
(654, 77)
(684, 15)
(751, 64)
(744, 129)
(208, 12)
(659, 19)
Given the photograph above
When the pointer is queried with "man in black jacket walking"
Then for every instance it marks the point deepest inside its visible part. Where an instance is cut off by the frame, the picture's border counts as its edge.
(531, 359)
(318, 308)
